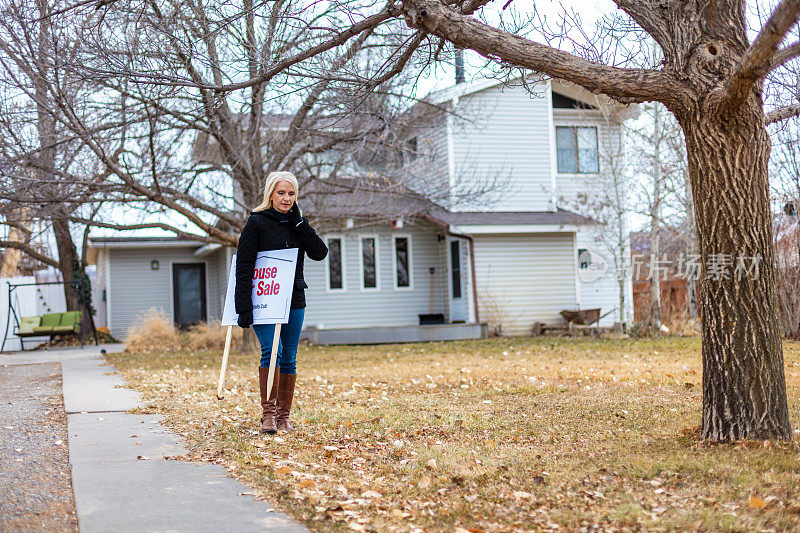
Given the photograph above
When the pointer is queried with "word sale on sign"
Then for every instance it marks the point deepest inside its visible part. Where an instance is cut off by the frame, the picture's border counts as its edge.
(268, 287)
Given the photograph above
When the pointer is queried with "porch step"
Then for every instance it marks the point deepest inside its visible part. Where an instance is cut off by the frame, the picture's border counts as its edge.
(393, 334)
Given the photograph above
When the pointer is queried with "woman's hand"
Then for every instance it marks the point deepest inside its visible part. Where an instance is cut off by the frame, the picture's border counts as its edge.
(295, 219)
(245, 320)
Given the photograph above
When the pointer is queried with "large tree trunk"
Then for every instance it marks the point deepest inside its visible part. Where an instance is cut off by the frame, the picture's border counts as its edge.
(744, 389)
(67, 260)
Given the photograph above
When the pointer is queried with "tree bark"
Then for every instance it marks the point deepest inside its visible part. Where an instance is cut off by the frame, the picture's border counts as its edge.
(67, 260)
(744, 388)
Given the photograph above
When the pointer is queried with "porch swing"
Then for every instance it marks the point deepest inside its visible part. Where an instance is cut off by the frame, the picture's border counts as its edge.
(50, 324)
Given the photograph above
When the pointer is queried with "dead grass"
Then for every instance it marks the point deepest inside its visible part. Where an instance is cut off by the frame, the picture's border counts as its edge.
(494, 435)
(152, 333)
(209, 336)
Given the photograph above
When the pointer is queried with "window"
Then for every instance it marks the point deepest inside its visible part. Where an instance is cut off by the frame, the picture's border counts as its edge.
(402, 262)
(411, 149)
(576, 149)
(455, 267)
(584, 258)
(369, 262)
(335, 264)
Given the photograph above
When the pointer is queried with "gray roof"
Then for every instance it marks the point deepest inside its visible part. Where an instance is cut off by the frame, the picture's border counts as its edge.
(560, 217)
(137, 239)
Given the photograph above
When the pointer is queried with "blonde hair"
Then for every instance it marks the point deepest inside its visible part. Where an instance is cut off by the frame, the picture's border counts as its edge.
(269, 187)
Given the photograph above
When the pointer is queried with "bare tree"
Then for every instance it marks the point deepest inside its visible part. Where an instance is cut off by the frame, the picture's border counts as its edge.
(711, 79)
(38, 153)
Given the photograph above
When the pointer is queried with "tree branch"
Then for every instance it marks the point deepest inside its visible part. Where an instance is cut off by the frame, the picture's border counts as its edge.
(758, 59)
(29, 251)
(785, 55)
(782, 113)
(150, 225)
(634, 85)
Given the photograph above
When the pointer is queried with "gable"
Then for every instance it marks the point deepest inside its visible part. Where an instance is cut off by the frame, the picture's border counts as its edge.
(561, 101)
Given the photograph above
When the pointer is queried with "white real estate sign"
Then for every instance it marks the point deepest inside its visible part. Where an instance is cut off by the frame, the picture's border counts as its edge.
(273, 282)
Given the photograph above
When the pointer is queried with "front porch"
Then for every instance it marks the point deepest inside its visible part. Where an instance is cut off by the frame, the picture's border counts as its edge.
(396, 334)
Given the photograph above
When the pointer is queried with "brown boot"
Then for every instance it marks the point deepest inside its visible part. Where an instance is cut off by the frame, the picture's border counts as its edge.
(269, 403)
(285, 396)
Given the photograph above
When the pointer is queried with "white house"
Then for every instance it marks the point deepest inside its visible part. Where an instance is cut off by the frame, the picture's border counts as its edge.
(510, 259)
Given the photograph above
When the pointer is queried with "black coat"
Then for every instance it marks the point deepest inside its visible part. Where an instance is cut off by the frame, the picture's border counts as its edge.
(268, 230)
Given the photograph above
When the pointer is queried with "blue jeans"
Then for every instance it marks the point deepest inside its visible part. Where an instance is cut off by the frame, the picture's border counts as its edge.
(289, 339)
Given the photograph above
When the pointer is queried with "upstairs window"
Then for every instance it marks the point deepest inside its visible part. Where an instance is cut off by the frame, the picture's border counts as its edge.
(584, 258)
(411, 149)
(576, 148)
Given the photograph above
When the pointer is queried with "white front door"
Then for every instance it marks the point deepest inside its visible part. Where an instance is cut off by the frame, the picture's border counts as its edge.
(456, 283)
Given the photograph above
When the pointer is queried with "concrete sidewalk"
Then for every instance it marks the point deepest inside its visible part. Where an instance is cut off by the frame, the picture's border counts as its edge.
(121, 480)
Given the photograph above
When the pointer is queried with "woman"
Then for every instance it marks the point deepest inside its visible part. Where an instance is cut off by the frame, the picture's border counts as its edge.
(276, 223)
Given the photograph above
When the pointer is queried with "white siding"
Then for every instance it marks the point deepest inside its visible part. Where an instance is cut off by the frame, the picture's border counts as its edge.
(98, 289)
(218, 266)
(386, 306)
(136, 288)
(504, 135)
(602, 292)
(524, 279)
(428, 174)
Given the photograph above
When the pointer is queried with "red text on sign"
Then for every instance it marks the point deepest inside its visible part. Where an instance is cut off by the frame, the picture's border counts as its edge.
(267, 288)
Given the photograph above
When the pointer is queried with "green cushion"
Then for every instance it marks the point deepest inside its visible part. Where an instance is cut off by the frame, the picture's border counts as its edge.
(50, 319)
(43, 329)
(27, 323)
(70, 318)
(63, 329)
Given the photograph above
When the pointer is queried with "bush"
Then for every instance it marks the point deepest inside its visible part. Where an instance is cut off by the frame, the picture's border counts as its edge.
(152, 333)
(210, 336)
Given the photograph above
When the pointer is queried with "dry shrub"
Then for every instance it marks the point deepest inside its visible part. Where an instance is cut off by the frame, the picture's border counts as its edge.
(152, 332)
(682, 325)
(210, 336)
(493, 312)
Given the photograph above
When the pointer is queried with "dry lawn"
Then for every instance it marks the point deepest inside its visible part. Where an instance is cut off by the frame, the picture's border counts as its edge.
(494, 435)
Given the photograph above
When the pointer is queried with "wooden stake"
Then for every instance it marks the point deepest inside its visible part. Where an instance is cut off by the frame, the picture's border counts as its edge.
(274, 356)
(224, 362)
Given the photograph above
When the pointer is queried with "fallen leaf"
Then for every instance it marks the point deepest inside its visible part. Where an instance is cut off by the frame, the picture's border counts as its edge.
(307, 483)
(371, 494)
(283, 470)
(431, 463)
(142, 457)
(522, 495)
(756, 503)
(424, 483)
